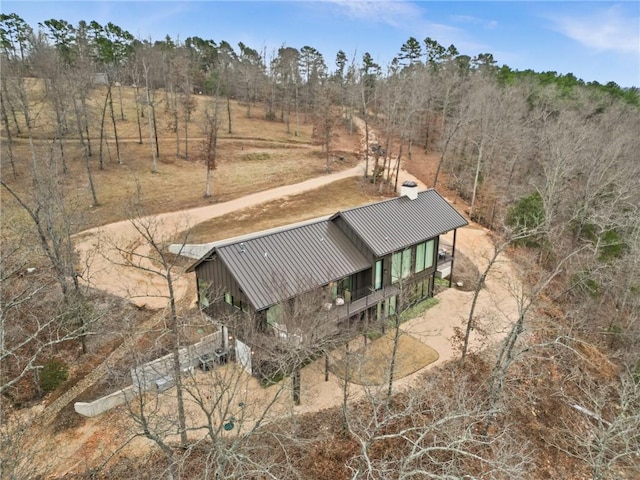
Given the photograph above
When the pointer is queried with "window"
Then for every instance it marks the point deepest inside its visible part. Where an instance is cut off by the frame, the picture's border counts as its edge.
(400, 265)
(342, 288)
(406, 263)
(377, 283)
(396, 266)
(392, 305)
(203, 293)
(428, 256)
(236, 302)
(424, 255)
(274, 314)
(345, 287)
(420, 248)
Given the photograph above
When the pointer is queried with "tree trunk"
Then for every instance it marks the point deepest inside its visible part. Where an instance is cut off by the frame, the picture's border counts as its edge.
(115, 129)
(475, 180)
(186, 136)
(154, 150)
(139, 112)
(345, 391)
(366, 139)
(476, 294)
(230, 130)
(11, 109)
(397, 169)
(177, 370)
(120, 99)
(5, 122)
(296, 132)
(394, 353)
(85, 118)
(155, 129)
(176, 129)
(444, 152)
(295, 378)
(102, 117)
(59, 135)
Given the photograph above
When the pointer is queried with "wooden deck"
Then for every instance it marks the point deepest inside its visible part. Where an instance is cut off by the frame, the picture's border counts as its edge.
(342, 312)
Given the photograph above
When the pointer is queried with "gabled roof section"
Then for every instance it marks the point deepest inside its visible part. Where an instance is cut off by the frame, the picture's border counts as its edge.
(397, 223)
(277, 266)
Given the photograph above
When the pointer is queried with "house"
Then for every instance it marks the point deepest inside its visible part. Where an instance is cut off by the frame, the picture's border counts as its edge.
(358, 263)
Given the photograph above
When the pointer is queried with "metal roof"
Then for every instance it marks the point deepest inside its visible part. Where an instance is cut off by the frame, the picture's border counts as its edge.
(397, 223)
(277, 266)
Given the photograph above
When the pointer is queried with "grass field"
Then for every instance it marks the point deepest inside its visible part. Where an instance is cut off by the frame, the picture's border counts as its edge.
(369, 365)
(257, 155)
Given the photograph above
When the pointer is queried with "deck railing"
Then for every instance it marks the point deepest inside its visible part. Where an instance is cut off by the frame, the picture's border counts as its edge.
(371, 299)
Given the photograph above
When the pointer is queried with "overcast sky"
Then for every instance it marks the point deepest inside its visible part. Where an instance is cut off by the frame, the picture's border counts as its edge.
(593, 40)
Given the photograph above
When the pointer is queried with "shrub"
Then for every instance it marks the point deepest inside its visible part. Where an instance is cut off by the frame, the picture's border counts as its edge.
(611, 246)
(527, 214)
(54, 373)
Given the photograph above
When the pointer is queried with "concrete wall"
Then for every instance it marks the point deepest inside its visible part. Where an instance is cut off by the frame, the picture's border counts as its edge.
(157, 374)
(104, 404)
(145, 376)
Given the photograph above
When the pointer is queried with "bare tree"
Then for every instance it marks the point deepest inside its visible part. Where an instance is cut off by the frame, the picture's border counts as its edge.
(155, 259)
(430, 432)
(153, 134)
(210, 147)
(603, 430)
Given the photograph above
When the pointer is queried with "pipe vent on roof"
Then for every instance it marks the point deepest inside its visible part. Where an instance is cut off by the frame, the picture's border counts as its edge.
(409, 189)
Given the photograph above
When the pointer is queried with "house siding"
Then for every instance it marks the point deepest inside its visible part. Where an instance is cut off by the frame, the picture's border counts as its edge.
(355, 239)
(220, 281)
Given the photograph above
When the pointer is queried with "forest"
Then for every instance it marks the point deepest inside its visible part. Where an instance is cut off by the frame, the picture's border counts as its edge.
(100, 127)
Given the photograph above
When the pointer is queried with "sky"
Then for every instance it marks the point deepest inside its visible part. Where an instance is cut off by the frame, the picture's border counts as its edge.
(594, 40)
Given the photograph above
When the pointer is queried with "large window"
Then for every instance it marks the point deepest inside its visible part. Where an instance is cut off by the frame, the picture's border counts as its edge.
(236, 302)
(424, 255)
(377, 284)
(203, 293)
(274, 314)
(343, 288)
(401, 265)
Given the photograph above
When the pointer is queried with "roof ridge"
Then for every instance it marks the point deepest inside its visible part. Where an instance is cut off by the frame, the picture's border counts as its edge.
(378, 202)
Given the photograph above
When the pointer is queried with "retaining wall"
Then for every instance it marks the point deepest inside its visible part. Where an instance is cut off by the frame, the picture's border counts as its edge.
(145, 376)
(104, 404)
(154, 374)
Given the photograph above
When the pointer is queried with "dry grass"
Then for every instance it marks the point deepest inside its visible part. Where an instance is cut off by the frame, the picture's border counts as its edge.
(369, 365)
(257, 155)
(327, 200)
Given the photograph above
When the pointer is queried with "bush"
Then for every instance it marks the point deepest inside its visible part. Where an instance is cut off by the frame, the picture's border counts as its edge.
(610, 243)
(54, 373)
(527, 214)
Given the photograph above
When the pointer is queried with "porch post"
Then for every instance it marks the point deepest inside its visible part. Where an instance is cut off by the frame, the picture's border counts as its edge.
(453, 256)
(436, 250)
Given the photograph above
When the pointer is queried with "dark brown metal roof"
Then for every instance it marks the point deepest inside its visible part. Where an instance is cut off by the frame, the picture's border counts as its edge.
(397, 223)
(281, 265)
